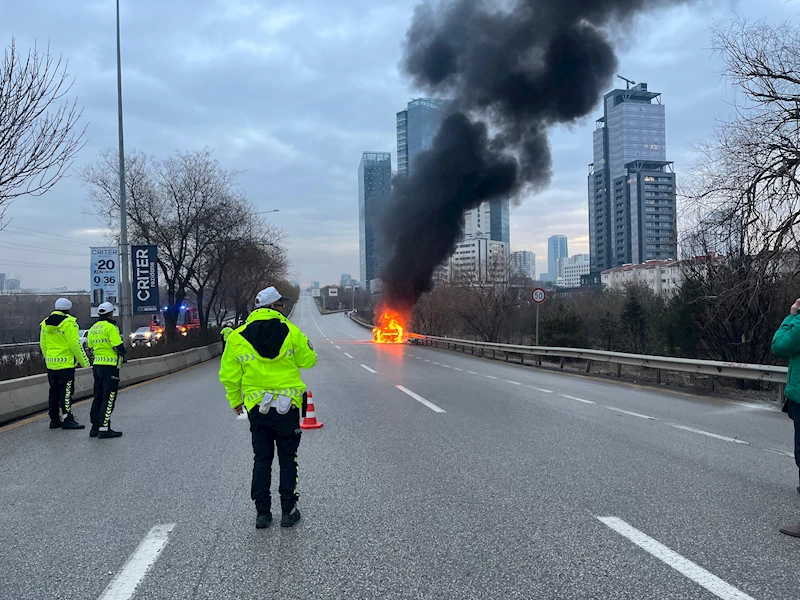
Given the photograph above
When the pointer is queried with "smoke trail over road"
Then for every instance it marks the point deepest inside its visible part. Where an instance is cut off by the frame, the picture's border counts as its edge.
(513, 69)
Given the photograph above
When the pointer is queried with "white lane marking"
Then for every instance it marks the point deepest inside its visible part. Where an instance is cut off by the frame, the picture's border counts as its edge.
(368, 369)
(684, 566)
(789, 454)
(633, 414)
(124, 584)
(716, 436)
(446, 366)
(490, 376)
(348, 355)
(457, 369)
(513, 382)
(418, 357)
(472, 372)
(434, 362)
(578, 399)
(330, 342)
(420, 399)
(544, 391)
(338, 347)
(426, 360)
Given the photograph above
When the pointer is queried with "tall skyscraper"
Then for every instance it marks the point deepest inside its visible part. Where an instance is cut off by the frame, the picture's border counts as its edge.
(524, 263)
(416, 127)
(556, 250)
(374, 190)
(632, 205)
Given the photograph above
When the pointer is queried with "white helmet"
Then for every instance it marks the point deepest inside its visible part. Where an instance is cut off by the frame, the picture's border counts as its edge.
(106, 308)
(63, 304)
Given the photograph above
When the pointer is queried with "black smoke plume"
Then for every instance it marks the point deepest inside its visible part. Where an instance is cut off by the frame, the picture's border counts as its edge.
(512, 70)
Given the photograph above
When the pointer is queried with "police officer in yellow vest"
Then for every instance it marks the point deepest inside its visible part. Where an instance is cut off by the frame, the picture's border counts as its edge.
(61, 347)
(261, 373)
(109, 354)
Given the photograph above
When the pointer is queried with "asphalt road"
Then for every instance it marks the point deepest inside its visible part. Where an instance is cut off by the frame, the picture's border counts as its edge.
(478, 479)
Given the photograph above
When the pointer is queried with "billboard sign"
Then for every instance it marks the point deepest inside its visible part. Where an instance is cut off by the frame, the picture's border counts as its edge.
(333, 292)
(144, 263)
(315, 292)
(104, 267)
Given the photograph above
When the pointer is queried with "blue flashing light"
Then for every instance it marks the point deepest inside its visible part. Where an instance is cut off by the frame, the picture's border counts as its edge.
(183, 307)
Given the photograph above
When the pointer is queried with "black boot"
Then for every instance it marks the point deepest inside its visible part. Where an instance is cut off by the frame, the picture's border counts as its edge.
(70, 423)
(290, 518)
(105, 435)
(263, 520)
(55, 424)
(93, 431)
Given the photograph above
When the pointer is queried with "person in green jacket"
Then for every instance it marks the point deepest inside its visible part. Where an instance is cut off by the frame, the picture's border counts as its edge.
(260, 371)
(225, 333)
(61, 347)
(109, 354)
(786, 344)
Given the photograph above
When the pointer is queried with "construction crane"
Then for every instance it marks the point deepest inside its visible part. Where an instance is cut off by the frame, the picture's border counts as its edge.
(628, 82)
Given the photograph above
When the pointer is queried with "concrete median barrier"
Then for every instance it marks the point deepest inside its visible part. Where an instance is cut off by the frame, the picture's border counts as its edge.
(28, 395)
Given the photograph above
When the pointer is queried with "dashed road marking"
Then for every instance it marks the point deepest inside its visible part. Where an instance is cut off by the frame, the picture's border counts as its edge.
(472, 372)
(348, 355)
(578, 399)
(457, 369)
(420, 399)
(632, 414)
(124, 584)
(789, 454)
(544, 391)
(682, 565)
(368, 369)
(338, 347)
(490, 376)
(716, 436)
(513, 382)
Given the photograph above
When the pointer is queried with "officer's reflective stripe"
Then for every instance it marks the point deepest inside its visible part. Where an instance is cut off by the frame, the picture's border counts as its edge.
(106, 360)
(68, 398)
(110, 407)
(56, 359)
(260, 394)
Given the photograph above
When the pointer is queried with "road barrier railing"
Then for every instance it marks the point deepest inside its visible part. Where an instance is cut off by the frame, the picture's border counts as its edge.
(712, 369)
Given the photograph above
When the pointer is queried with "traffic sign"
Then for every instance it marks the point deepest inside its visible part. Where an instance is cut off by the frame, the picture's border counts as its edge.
(538, 295)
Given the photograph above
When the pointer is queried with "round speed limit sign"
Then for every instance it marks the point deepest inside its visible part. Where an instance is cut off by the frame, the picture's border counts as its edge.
(538, 295)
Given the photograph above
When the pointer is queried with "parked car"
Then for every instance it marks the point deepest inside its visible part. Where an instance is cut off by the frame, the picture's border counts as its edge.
(143, 337)
(83, 335)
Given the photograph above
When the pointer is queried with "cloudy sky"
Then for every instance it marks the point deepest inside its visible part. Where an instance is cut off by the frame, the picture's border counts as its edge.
(292, 93)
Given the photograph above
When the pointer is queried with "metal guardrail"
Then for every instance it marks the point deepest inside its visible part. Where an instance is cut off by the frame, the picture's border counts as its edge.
(22, 345)
(711, 368)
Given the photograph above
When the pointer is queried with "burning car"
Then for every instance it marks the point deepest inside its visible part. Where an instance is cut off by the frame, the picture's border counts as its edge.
(389, 329)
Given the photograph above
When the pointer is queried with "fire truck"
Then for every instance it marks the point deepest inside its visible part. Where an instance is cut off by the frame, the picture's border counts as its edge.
(188, 320)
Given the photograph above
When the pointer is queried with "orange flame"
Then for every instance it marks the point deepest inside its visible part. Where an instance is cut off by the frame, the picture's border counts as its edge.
(389, 329)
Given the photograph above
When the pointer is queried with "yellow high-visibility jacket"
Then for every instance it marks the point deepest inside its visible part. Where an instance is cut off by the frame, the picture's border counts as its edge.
(106, 343)
(60, 343)
(263, 358)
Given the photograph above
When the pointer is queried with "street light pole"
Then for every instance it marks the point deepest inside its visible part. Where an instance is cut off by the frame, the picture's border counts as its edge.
(125, 283)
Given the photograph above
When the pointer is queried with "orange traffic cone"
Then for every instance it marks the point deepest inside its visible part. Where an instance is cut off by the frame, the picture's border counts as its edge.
(310, 420)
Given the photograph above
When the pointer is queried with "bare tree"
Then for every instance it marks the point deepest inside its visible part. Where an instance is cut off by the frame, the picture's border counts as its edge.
(189, 206)
(744, 192)
(39, 135)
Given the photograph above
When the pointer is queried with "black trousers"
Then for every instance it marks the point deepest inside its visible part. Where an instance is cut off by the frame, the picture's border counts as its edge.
(270, 431)
(794, 413)
(62, 386)
(106, 385)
